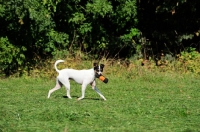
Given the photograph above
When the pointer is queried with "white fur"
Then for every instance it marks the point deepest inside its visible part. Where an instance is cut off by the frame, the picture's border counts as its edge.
(83, 77)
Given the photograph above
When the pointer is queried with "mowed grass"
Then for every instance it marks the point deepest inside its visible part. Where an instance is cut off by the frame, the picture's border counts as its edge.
(151, 102)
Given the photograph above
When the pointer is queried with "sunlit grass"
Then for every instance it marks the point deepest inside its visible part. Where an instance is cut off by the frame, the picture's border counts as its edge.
(147, 102)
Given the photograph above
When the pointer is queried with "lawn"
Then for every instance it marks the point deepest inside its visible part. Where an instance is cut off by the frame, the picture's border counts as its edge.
(152, 102)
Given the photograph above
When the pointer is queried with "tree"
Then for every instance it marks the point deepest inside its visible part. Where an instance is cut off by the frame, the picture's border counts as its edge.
(98, 26)
(34, 30)
(28, 32)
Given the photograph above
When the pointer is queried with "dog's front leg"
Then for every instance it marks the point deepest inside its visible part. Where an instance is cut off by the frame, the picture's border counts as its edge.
(83, 91)
(97, 90)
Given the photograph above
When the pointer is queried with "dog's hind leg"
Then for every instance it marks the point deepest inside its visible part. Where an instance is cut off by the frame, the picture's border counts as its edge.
(58, 86)
(97, 90)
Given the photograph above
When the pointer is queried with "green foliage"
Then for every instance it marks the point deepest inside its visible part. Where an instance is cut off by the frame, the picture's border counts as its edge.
(96, 24)
(125, 12)
(12, 57)
(97, 28)
(56, 41)
(46, 27)
(190, 59)
(2, 9)
(189, 54)
(132, 33)
(185, 37)
(30, 32)
(99, 8)
(77, 18)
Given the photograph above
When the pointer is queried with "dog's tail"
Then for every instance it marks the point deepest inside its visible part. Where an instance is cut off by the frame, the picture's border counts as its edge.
(55, 65)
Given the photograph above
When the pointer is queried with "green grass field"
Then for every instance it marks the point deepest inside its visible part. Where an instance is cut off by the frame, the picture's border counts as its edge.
(151, 102)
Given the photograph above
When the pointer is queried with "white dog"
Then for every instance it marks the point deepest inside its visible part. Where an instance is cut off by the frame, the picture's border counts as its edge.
(83, 77)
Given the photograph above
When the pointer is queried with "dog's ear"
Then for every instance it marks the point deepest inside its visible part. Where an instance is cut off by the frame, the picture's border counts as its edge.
(95, 64)
(102, 65)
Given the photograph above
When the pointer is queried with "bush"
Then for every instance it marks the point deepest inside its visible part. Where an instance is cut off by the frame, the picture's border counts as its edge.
(12, 57)
(190, 60)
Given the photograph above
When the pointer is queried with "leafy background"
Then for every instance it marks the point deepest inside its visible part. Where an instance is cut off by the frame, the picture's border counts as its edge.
(34, 31)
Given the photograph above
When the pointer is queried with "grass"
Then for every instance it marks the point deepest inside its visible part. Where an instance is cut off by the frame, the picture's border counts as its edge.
(150, 102)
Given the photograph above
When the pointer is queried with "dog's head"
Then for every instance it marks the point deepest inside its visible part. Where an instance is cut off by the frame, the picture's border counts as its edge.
(98, 68)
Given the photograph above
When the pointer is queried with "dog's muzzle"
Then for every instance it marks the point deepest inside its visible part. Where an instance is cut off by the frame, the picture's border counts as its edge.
(97, 75)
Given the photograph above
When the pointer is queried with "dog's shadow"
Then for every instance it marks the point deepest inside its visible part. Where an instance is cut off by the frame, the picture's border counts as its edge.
(92, 99)
(84, 98)
(72, 96)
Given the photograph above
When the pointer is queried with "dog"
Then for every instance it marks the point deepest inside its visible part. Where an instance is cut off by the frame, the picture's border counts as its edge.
(83, 77)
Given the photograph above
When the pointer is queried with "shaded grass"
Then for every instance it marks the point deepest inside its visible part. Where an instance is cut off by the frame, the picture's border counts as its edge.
(151, 102)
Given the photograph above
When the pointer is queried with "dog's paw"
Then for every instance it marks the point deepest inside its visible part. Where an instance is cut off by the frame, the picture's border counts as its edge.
(80, 98)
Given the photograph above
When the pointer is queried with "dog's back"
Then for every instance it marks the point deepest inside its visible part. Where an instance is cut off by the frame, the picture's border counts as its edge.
(78, 76)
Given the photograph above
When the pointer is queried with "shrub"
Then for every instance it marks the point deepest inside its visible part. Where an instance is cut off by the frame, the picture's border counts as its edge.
(190, 60)
(12, 57)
